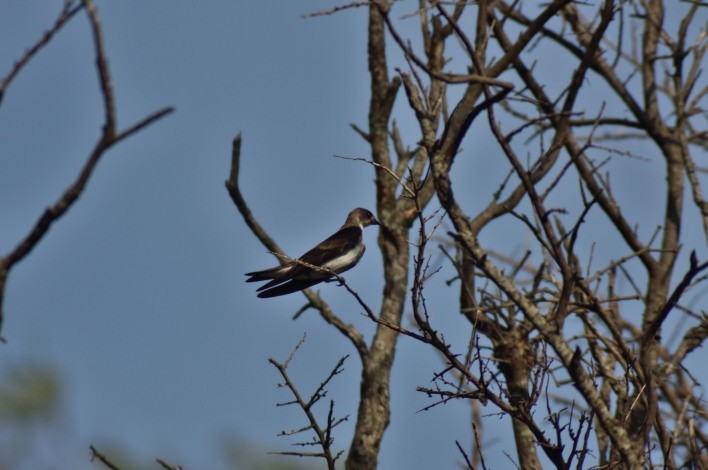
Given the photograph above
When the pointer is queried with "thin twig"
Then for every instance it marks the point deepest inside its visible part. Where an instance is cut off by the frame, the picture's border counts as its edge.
(95, 454)
(67, 12)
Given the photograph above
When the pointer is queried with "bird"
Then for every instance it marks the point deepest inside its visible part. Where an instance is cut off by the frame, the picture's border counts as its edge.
(338, 253)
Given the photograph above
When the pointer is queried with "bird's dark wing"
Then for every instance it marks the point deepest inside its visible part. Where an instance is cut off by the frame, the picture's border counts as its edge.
(266, 274)
(343, 241)
(289, 287)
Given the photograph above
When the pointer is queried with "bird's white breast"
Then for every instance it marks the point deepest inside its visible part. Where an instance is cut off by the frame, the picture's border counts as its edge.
(346, 260)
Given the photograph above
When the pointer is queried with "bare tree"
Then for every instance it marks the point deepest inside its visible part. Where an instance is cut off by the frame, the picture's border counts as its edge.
(561, 328)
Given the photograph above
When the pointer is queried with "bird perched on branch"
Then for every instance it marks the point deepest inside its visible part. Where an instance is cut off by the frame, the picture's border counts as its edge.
(338, 253)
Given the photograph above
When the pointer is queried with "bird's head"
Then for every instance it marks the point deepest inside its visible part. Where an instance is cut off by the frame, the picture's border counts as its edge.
(361, 217)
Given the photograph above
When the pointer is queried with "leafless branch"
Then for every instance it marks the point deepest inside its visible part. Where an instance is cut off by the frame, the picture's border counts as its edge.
(108, 138)
(95, 454)
(70, 9)
(168, 466)
(336, 9)
(323, 437)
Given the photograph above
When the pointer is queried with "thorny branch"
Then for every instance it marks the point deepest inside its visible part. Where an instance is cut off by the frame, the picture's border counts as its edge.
(323, 436)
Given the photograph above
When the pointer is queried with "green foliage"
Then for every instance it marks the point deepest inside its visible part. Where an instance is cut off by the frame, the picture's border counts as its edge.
(29, 394)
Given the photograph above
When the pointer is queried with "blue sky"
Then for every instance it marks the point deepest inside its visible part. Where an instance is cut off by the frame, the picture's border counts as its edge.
(136, 295)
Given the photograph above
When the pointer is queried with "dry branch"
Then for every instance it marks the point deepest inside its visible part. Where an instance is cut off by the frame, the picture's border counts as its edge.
(108, 138)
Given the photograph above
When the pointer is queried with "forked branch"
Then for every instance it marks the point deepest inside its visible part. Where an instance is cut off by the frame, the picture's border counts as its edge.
(322, 435)
(109, 137)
